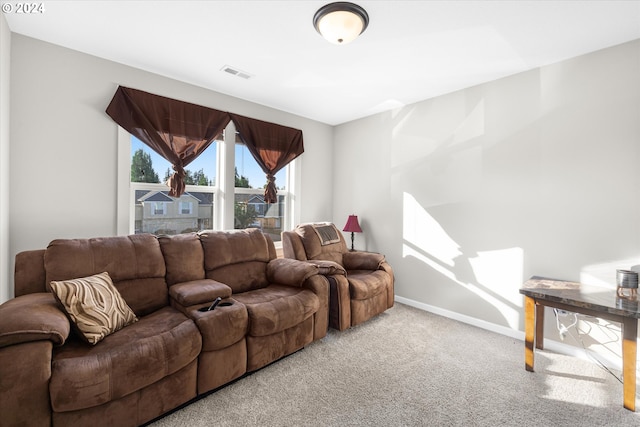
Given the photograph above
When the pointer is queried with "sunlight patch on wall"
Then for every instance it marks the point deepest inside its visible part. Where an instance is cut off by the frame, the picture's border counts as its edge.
(604, 273)
(511, 315)
(423, 231)
(409, 251)
(498, 271)
(495, 272)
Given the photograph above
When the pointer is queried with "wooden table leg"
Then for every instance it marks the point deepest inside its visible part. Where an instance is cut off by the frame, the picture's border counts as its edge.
(629, 351)
(539, 339)
(529, 331)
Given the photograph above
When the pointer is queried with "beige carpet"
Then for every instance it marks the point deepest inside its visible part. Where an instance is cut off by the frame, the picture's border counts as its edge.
(408, 367)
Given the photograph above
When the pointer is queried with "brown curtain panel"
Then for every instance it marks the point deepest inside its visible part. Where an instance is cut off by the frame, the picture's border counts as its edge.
(176, 130)
(273, 146)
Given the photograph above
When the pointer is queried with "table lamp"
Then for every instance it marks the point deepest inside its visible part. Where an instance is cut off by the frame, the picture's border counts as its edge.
(352, 226)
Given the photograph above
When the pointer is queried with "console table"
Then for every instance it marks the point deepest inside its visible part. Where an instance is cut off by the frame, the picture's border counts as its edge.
(592, 301)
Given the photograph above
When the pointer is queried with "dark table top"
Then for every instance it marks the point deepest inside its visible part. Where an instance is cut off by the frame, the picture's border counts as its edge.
(575, 294)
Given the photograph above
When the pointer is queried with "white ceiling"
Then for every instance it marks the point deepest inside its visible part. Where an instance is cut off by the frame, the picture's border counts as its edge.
(411, 51)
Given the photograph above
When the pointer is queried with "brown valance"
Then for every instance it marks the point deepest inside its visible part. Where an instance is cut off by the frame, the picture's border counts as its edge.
(273, 146)
(180, 132)
(176, 130)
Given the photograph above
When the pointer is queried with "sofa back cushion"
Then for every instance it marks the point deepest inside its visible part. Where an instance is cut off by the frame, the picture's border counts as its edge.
(183, 257)
(237, 258)
(292, 246)
(322, 241)
(134, 263)
(29, 276)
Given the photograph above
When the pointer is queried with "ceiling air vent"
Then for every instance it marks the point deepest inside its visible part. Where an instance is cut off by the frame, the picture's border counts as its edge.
(236, 72)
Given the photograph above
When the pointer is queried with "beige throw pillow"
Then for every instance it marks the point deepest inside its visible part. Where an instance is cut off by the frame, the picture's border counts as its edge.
(94, 305)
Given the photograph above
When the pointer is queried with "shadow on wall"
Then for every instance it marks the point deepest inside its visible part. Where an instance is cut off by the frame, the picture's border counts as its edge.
(488, 275)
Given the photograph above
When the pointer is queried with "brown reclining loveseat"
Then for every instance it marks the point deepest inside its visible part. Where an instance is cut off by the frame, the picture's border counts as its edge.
(362, 283)
(50, 375)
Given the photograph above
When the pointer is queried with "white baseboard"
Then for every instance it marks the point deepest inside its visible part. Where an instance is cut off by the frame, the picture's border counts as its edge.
(557, 347)
(503, 330)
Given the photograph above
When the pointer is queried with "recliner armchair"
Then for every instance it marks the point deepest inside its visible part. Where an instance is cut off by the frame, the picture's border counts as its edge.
(362, 283)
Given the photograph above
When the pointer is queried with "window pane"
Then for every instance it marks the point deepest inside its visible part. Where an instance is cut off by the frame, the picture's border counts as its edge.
(252, 212)
(158, 213)
(250, 175)
(148, 166)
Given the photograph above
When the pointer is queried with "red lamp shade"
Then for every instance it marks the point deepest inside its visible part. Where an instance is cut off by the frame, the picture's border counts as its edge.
(352, 225)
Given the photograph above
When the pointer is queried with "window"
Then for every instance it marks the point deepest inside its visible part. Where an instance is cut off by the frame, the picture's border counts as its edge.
(250, 209)
(159, 208)
(186, 208)
(192, 211)
(203, 206)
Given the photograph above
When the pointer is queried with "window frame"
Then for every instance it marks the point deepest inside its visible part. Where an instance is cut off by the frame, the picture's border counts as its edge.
(223, 214)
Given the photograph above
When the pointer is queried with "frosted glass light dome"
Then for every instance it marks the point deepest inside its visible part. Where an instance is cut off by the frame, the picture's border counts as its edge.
(341, 22)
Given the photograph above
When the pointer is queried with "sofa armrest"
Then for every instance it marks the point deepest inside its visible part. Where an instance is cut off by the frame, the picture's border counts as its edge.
(328, 268)
(358, 260)
(33, 317)
(292, 246)
(319, 285)
(198, 292)
(285, 271)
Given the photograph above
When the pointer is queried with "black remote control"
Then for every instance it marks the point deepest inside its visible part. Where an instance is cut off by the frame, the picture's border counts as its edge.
(214, 304)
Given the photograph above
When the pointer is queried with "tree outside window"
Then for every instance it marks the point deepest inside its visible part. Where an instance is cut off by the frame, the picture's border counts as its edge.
(142, 168)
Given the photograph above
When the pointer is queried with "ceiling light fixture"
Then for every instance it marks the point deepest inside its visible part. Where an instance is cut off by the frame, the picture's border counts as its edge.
(341, 22)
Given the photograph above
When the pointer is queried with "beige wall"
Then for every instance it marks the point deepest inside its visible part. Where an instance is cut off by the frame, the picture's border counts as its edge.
(64, 146)
(471, 193)
(5, 65)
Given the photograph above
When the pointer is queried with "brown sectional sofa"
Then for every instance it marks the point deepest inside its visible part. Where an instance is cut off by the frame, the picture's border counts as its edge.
(48, 376)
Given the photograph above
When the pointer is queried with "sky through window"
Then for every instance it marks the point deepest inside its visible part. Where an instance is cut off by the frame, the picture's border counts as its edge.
(246, 164)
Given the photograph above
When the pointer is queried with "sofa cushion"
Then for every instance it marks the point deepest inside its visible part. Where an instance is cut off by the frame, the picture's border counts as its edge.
(134, 263)
(235, 246)
(241, 277)
(183, 257)
(156, 346)
(94, 305)
(366, 284)
(277, 307)
(359, 260)
(237, 258)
